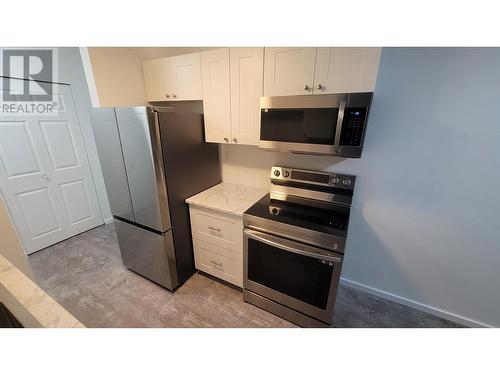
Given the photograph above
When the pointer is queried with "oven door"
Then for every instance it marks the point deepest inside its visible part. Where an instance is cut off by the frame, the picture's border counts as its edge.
(299, 276)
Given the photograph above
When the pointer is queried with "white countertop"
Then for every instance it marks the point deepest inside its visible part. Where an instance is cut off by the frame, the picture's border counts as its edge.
(29, 303)
(227, 197)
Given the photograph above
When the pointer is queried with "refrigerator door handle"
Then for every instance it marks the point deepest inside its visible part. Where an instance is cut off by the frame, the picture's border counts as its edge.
(156, 149)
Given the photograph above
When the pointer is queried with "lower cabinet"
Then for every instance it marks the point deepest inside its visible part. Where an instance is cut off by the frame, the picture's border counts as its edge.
(218, 243)
(222, 263)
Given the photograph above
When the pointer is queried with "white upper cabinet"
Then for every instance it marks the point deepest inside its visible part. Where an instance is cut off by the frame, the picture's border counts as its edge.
(340, 70)
(304, 71)
(185, 75)
(289, 71)
(247, 66)
(173, 78)
(155, 79)
(232, 87)
(216, 95)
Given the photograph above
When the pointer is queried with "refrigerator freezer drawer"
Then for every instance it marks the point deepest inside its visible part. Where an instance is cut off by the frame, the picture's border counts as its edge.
(148, 253)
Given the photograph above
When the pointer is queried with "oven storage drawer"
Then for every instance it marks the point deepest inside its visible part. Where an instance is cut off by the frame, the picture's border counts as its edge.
(217, 228)
(219, 262)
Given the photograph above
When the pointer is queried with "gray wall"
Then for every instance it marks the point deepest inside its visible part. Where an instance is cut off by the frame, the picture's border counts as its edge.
(426, 221)
(425, 224)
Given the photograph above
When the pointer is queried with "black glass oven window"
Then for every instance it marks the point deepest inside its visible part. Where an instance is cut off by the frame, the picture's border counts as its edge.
(307, 125)
(304, 278)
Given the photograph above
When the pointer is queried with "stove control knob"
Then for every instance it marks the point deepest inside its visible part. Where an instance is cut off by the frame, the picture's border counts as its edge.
(347, 182)
(335, 180)
(286, 173)
(277, 173)
(274, 211)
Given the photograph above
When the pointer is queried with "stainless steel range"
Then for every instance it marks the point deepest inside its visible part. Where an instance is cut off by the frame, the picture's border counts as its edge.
(294, 241)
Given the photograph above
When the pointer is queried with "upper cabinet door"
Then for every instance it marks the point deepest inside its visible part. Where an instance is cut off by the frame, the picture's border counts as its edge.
(348, 69)
(155, 79)
(184, 74)
(289, 71)
(247, 70)
(216, 95)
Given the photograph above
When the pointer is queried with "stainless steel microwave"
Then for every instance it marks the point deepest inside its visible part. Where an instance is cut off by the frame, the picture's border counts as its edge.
(332, 124)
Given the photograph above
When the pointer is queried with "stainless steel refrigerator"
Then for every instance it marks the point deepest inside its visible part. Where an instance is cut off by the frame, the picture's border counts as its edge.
(152, 159)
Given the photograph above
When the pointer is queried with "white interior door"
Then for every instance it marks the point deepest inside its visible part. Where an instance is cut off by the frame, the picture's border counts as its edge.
(45, 176)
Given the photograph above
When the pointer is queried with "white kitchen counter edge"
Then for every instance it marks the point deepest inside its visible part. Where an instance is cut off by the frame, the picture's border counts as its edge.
(193, 201)
(43, 308)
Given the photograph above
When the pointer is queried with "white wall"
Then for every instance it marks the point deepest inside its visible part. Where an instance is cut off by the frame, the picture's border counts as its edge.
(424, 227)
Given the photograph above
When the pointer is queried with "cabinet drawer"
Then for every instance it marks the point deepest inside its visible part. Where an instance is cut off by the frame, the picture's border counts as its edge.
(217, 228)
(221, 263)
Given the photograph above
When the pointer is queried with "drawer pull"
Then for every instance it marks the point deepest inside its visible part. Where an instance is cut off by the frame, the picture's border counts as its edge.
(218, 264)
(214, 229)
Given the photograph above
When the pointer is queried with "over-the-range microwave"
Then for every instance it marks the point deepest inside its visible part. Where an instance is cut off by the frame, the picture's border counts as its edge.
(333, 124)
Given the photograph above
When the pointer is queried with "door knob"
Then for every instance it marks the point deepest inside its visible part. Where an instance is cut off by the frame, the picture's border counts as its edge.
(235, 140)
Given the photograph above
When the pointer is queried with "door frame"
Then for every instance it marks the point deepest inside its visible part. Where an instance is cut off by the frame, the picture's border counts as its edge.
(88, 136)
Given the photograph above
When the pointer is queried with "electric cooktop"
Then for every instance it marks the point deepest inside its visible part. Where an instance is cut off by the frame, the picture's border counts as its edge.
(326, 220)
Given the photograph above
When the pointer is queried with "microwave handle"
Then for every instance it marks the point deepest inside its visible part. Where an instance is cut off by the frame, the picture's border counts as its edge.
(288, 245)
(340, 120)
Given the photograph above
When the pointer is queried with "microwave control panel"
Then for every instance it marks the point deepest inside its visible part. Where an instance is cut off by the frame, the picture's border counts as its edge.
(353, 126)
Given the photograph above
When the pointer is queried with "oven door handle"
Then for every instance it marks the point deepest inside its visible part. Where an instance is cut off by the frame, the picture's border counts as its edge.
(291, 246)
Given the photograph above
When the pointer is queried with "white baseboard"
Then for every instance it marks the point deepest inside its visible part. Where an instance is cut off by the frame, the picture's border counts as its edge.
(416, 305)
(109, 220)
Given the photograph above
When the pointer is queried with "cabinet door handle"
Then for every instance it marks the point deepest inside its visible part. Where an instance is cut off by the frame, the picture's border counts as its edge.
(226, 139)
(235, 140)
(214, 229)
(219, 264)
(174, 96)
(168, 96)
(320, 87)
(306, 88)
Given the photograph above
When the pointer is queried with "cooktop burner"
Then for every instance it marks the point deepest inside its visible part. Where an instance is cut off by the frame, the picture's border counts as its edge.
(326, 220)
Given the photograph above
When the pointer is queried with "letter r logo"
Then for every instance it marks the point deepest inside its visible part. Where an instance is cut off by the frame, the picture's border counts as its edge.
(30, 65)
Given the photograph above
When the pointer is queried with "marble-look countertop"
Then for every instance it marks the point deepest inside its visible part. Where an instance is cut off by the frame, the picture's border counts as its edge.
(29, 303)
(228, 197)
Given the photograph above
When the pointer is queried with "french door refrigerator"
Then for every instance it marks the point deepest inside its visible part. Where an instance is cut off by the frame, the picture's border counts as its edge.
(152, 159)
